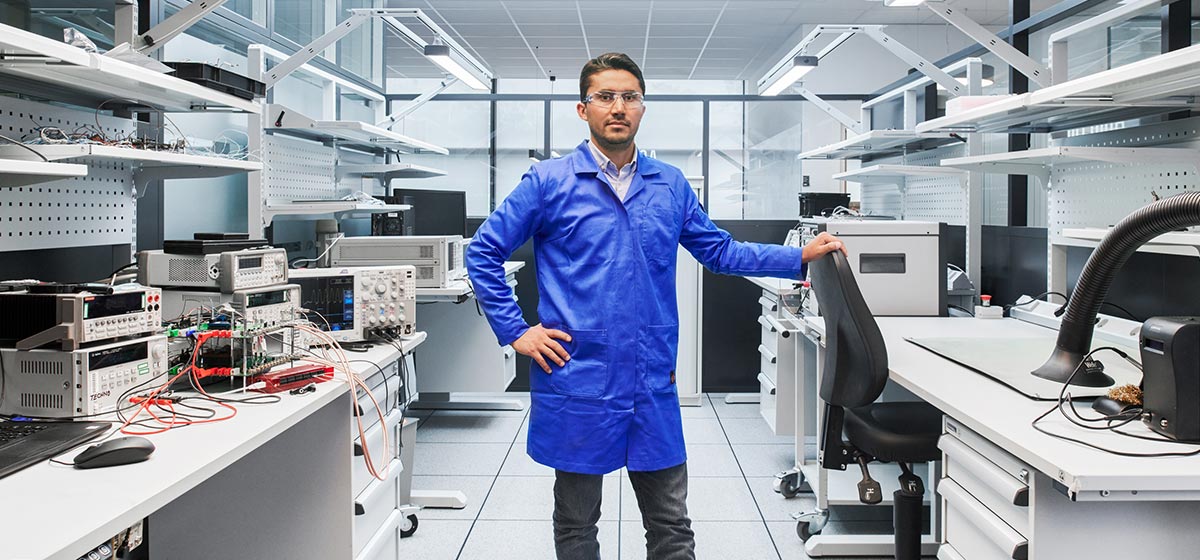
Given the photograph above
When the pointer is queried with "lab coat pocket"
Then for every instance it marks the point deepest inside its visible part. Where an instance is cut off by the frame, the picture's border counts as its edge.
(586, 373)
(661, 344)
(660, 232)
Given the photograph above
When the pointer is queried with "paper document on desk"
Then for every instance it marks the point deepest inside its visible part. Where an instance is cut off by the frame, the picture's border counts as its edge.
(1011, 361)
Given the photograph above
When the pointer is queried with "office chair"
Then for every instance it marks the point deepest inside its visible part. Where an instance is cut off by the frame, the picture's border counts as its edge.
(854, 375)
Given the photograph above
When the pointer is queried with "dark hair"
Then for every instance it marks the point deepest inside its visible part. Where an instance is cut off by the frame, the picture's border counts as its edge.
(608, 61)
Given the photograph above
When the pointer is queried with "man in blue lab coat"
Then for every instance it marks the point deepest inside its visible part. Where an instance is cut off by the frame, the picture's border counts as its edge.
(605, 221)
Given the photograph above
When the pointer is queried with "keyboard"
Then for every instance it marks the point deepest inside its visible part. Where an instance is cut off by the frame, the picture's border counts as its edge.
(23, 444)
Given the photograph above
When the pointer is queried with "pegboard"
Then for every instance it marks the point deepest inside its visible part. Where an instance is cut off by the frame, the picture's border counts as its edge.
(934, 199)
(98, 209)
(296, 169)
(1098, 195)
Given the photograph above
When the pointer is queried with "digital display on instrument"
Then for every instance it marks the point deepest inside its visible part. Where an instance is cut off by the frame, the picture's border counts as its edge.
(116, 304)
(109, 357)
(266, 298)
(332, 297)
(250, 262)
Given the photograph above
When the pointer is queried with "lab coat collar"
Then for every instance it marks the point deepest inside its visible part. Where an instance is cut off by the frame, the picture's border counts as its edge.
(582, 162)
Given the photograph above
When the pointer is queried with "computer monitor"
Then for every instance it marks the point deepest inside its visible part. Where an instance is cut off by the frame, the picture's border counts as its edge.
(435, 212)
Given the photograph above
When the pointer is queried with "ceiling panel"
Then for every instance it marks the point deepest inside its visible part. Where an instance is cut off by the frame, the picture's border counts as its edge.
(686, 37)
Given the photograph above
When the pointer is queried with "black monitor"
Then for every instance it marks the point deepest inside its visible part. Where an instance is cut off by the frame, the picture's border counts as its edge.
(435, 212)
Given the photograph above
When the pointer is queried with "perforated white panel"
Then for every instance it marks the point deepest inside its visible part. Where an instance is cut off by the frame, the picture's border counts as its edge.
(1101, 194)
(98, 209)
(297, 169)
(936, 199)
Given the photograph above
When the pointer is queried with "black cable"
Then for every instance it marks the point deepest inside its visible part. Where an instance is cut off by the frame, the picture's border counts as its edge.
(1064, 397)
(1067, 300)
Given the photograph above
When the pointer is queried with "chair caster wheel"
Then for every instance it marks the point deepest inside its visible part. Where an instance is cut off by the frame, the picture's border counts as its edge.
(789, 483)
(412, 528)
(804, 531)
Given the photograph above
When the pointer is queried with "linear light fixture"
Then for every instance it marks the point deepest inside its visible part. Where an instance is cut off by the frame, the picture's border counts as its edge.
(788, 75)
(902, 3)
(443, 56)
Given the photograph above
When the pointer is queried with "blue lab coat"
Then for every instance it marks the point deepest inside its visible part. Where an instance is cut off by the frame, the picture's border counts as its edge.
(606, 276)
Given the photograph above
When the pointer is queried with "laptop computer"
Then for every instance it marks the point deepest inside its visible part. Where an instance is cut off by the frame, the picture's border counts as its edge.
(23, 444)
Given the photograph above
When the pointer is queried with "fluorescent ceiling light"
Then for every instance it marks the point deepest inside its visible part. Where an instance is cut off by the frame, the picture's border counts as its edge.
(441, 56)
(800, 66)
(902, 3)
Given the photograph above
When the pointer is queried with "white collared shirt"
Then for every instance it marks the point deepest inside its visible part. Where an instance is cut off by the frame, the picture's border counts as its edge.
(620, 179)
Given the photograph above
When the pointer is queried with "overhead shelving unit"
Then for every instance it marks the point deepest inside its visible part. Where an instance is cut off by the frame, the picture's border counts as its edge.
(879, 143)
(1160, 84)
(895, 174)
(1176, 243)
(338, 208)
(346, 134)
(19, 173)
(153, 164)
(79, 77)
(1037, 162)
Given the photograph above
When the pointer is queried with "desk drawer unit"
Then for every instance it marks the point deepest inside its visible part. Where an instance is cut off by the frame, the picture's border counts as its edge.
(770, 328)
(974, 531)
(985, 492)
(373, 506)
(385, 544)
(386, 394)
(359, 475)
(767, 362)
(777, 378)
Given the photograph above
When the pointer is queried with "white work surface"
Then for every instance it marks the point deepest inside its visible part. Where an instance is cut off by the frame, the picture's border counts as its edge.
(460, 289)
(1003, 416)
(55, 511)
(773, 285)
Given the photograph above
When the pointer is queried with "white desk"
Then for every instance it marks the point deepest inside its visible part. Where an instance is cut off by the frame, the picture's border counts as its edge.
(462, 355)
(1083, 503)
(223, 490)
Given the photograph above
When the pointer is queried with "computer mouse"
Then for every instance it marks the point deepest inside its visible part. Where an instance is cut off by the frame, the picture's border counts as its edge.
(120, 451)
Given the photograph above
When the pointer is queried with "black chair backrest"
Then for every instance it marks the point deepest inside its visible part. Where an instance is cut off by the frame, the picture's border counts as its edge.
(856, 367)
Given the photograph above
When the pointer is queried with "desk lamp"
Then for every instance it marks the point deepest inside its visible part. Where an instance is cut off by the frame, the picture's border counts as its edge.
(1075, 333)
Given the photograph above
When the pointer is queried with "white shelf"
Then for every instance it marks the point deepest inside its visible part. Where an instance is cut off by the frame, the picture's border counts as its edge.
(877, 143)
(1183, 243)
(1160, 84)
(385, 172)
(18, 173)
(340, 208)
(352, 134)
(74, 76)
(895, 174)
(154, 165)
(1037, 162)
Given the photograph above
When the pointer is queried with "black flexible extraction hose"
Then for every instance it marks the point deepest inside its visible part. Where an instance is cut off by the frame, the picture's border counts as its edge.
(1075, 334)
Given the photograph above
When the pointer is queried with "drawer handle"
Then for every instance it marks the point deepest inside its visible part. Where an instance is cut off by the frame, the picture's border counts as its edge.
(987, 522)
(767, 354)
(763, 301)
(776, 326)
(766, 323)
(995, 477)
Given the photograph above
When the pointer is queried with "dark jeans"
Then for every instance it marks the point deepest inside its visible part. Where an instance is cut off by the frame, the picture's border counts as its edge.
(661, 495)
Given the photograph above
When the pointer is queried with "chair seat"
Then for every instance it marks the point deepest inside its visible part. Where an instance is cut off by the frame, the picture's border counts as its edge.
(904, 432)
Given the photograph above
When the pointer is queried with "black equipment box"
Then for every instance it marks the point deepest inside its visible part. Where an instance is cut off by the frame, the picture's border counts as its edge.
(818, 204)
(1171, 376)
(219, 79)
(393, 223)
(209, 243)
